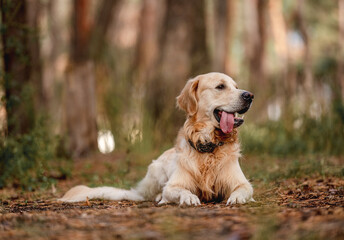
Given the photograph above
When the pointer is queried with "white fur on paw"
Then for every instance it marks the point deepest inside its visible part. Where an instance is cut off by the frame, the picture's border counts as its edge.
(189, 199)
(158, 197)
(162, 201)
(239, 197)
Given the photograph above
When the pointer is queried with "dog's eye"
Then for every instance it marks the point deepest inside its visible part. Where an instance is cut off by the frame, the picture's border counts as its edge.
(220, 87)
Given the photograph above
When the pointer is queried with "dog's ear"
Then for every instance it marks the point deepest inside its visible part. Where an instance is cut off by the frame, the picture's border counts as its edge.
(188, 100)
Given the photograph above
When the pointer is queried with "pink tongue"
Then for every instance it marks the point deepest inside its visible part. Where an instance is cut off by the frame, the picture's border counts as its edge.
(227, 122)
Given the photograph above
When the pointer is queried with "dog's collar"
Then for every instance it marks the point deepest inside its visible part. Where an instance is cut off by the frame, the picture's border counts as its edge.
(208, 147)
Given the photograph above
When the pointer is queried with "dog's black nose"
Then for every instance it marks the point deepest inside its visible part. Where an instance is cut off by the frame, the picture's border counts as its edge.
(247, 96)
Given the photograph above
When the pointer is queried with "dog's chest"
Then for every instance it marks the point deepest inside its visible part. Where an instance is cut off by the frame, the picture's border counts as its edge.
(208, 167)
(209, 184)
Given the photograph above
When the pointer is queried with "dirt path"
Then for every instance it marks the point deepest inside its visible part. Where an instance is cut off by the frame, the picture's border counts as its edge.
(296, 208)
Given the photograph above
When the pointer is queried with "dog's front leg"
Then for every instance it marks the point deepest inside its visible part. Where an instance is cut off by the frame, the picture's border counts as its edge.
(240, 188)
(175, 194)
(242, 194)
(179, 190)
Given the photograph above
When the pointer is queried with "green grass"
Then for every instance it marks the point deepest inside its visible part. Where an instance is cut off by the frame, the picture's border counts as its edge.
(269, 169)
(324, 136)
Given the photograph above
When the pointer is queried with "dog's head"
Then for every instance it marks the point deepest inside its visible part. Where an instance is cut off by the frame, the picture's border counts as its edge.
(215, 98)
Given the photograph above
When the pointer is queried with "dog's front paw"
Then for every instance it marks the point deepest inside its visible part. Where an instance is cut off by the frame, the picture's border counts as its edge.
(158, 197)
(188, 199)
(240, 196)
(162, 201)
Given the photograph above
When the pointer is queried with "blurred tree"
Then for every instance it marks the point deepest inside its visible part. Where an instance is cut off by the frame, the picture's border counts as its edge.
(279, 36)
(183, 55)
(255, 40)
(340, 74)
(147, 50)
(222, 25)
(183, 42)
(307, 58)
(33, 17)
(80, 86)
(147, 53)
(55, 39)
(200, 59)
(101, 27)
(3, 114)
(21, 64)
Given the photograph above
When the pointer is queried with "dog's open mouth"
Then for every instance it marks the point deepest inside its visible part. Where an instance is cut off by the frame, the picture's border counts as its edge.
(229, 120)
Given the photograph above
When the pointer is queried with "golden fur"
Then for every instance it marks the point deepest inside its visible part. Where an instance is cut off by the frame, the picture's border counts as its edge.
(182, 174)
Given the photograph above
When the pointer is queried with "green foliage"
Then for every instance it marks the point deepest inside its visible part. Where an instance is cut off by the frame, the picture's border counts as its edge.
(284, 138)
(27, 160)
(268, 169)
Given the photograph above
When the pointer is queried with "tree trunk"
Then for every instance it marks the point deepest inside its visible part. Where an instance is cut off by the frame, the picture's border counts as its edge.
(200, 59)
(99, 31)
(33, 16)
(54, 60)
(308, 82)
(80, 86)
(183, 55)
(223, 17)
(87, 44)
(80, 102)
(184, 41)
(17, 60)
(340, 74)
(279, 34)
(255, 40)
(279, 30)
(81, 31)
(3, 114)
(147, 53)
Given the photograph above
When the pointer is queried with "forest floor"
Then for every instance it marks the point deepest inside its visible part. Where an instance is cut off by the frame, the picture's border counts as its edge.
(299, 206)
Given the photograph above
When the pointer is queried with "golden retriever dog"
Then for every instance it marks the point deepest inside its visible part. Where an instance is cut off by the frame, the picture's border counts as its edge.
(203, 165)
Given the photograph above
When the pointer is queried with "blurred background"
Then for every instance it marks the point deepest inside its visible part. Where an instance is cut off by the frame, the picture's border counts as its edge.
(87, 77)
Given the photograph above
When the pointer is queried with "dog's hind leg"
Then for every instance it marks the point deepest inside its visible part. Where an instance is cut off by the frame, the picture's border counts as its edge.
(151, 185)
(147, 189)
